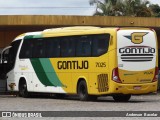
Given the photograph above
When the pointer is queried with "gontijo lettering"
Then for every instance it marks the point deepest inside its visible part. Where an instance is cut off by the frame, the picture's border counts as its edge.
(73, 64)
(139, 49)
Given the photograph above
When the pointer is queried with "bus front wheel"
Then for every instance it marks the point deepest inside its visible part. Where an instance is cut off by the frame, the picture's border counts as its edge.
(23, 89)
(121, 98)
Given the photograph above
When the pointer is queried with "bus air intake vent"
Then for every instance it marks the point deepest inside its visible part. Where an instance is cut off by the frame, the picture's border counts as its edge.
(137, 57)
(102, 82)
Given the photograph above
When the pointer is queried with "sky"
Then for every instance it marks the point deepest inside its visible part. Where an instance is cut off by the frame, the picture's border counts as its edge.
(49, 7)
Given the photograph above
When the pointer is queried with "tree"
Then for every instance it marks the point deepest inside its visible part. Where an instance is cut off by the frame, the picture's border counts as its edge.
(155, 9)
(107, 7)
(137, 8)
(142, 9)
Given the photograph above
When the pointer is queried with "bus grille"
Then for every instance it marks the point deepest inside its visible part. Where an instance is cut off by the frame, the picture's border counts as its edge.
(102, 81)
(137, 57)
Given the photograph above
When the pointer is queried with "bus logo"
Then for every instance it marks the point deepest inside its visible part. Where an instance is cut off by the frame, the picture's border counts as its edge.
(137, 37)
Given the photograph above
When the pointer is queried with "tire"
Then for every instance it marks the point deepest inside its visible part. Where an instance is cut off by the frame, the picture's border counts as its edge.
(121, 98)
(23, 92)
(83, 92)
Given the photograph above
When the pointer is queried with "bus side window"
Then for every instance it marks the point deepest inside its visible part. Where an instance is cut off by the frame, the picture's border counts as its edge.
(26, 49)
(12, 54)
(67, 47)
(52, 47)
(5, 56)
(100, 44)
(83, 48)
(39, 48)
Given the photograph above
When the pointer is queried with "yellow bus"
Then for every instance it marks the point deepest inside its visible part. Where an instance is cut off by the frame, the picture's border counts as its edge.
(84, 60)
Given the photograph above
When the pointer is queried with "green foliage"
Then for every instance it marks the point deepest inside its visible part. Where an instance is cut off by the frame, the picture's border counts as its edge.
(136, 8)
(155, 9)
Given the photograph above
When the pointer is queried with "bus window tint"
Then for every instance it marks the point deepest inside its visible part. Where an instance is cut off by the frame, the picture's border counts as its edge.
(83, 48)
(67, 47)
(100, 44)
(39, 48)
(26, 50)
(52, 47)
(13, 53)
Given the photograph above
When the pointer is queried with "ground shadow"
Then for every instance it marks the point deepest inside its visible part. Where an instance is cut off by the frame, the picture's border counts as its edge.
(107, 99)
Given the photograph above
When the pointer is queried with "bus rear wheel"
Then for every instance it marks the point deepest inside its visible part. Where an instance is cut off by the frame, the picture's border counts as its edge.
(121, 98)
(23, 89)
(83, 92)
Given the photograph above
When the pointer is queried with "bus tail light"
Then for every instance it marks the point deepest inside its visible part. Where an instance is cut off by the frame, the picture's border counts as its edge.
(115, 75)
(156, 75)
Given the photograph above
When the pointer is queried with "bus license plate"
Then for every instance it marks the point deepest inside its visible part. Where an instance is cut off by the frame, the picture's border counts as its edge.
(137, 87)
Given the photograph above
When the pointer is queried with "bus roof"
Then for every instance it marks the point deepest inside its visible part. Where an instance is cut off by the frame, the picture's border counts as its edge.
(21, 36)
(75, 28)
(67, 31)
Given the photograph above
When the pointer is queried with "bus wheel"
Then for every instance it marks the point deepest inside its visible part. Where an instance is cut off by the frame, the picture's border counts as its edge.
(121, 98)
(23, 89)
(82, 91)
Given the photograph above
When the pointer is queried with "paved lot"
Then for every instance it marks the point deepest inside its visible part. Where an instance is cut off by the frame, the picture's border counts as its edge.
(71, 103)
